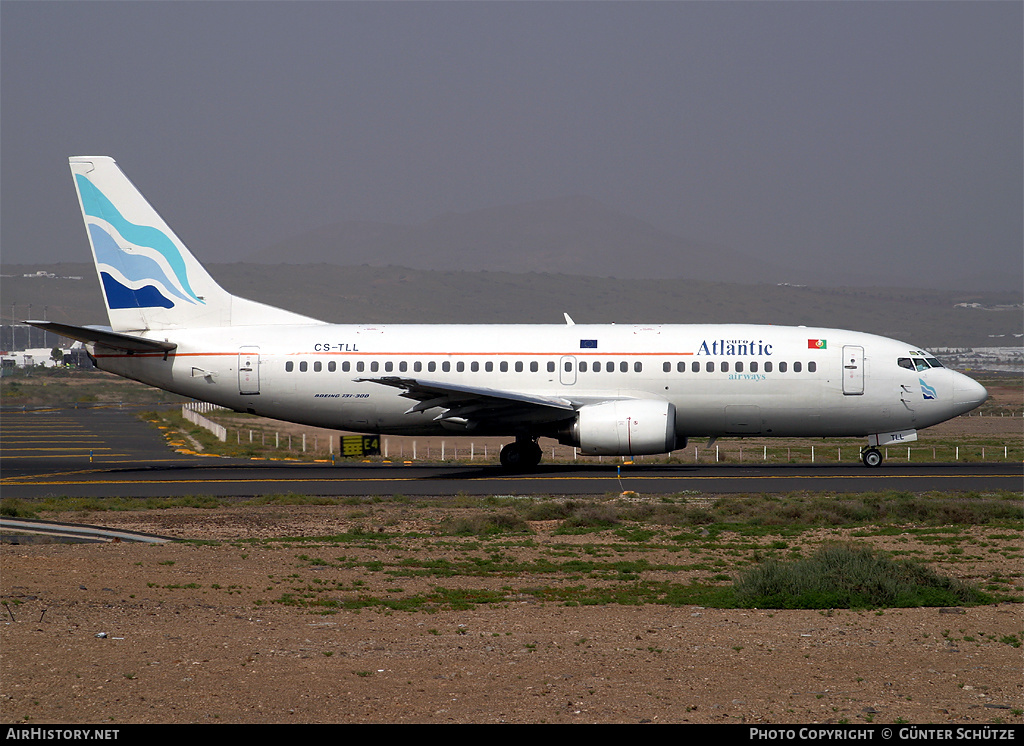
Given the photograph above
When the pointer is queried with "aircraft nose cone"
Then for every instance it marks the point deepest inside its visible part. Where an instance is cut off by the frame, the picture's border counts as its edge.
(968, 394)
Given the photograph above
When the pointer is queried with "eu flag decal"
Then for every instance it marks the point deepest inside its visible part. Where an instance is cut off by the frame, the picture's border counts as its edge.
(588, 344)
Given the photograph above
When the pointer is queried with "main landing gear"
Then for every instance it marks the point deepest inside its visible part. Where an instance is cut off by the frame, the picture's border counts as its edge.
(522, 455)
(871, 456)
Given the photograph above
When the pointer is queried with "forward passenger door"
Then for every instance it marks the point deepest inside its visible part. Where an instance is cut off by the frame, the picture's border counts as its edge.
(853, 370)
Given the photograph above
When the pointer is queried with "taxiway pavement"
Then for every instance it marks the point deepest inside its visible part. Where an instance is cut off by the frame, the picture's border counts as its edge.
(100, 453)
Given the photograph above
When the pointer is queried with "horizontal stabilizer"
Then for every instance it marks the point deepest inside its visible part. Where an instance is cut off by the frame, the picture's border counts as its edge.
(105, 337)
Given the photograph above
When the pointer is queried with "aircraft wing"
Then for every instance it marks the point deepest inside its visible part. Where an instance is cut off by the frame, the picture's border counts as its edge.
(474, 404)
(105, 337)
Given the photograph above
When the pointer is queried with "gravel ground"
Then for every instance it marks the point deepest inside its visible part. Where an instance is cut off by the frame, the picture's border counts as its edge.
(122, 633)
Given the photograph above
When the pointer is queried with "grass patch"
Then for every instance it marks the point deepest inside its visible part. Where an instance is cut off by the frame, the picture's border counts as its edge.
(764, 551)
(484, 524)
(850, 577)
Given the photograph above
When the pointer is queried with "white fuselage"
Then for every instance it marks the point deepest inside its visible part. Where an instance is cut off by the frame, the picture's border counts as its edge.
(723, 380)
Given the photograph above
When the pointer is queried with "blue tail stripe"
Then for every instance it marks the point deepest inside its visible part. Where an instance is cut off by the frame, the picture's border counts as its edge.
(119, 296)
(134, 267)
(96, 204)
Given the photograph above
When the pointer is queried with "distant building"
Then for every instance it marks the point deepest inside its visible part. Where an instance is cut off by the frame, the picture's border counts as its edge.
(75, 357)
(49, 275)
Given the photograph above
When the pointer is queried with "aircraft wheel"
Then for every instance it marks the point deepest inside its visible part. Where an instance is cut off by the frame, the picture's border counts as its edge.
(520, 455)
(871, 457)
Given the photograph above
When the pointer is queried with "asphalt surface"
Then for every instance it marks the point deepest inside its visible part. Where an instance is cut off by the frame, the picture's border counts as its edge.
(111, 453)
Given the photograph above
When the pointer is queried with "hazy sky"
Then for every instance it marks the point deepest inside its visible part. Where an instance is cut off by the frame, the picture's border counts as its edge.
(868, 135)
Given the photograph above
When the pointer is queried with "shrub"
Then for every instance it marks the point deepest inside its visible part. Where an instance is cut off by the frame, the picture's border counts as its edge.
(487, 525)
(16, 509)
(848, 576)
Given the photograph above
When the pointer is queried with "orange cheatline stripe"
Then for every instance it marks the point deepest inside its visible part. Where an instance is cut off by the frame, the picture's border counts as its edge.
(415, 354)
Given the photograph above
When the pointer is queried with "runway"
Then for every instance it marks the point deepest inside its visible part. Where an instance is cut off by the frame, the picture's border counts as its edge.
(99, 453)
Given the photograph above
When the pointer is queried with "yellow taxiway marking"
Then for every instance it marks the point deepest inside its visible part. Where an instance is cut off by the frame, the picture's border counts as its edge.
(607, 477)
(105, 456)
(62, 449)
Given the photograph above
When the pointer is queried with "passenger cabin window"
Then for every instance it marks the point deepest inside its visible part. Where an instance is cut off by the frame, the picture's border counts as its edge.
(332, 366)
(782, 367)
(318, 366)
(812, 367)
(289, 366)
(753, 366)
(797, 367)
(303, 366)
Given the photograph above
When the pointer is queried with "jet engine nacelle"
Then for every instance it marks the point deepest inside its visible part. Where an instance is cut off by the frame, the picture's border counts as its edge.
(631, 427)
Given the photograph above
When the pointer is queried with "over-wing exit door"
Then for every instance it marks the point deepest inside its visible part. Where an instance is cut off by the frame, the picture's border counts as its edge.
(249, 370)
(567, 370)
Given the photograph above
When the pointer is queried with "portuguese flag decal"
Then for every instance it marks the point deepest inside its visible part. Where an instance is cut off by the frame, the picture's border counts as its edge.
(816, 344)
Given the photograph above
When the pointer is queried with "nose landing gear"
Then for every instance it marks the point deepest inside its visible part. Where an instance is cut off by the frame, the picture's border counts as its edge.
(871, 456)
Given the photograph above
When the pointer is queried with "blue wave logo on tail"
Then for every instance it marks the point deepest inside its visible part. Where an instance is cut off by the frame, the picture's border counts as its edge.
(927, 391)
(139, 265)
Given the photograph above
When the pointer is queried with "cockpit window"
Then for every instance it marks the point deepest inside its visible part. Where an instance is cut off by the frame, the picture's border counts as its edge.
(920, 364)
(934, 363)
(904, 362)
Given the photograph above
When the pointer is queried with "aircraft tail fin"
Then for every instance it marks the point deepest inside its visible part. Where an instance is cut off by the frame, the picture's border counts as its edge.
(150, 280)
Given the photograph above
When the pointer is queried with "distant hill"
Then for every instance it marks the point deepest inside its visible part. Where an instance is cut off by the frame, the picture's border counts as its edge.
(574, 236)
(364, 294)
(582, 237)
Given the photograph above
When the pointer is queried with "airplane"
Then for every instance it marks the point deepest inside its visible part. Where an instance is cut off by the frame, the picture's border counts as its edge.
(607, 389)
